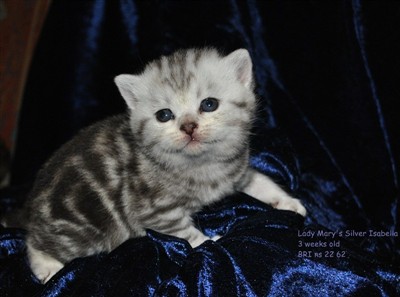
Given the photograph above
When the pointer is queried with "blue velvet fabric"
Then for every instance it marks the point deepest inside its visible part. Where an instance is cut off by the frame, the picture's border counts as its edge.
(328, 131)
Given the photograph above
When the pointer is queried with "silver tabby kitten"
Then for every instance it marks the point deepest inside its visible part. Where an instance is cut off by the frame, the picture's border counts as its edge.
(182, 145)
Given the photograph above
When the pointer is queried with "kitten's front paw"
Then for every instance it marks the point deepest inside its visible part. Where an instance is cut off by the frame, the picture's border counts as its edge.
(198, 240)
(291, 204)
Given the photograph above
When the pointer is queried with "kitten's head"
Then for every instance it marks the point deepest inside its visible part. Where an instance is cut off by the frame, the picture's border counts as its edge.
(193, 104)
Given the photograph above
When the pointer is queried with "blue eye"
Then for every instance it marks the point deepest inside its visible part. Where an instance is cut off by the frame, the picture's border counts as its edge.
(164, 115)
(209, 104)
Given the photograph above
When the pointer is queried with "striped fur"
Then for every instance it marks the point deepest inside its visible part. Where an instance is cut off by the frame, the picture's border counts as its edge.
(131, 172)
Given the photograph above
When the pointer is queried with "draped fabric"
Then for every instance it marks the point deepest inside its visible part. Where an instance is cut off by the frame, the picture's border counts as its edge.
(327, 77)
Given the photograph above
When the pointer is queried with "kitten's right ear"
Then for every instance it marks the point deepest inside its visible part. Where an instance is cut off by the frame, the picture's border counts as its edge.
(126, 84)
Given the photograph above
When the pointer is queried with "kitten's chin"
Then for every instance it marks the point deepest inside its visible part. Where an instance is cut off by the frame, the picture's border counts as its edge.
(194, 147)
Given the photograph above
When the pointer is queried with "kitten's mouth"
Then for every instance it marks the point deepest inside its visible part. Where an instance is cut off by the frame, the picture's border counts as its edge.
(196, 146)
(193, 145)
(193, 142)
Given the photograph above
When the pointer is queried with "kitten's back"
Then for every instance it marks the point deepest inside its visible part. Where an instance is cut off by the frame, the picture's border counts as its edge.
(77, 192)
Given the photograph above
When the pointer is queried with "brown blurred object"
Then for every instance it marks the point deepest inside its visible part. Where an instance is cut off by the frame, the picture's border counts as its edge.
(20, 25)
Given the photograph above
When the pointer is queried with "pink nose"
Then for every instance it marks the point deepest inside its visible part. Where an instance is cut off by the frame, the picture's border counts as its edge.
(189, 127)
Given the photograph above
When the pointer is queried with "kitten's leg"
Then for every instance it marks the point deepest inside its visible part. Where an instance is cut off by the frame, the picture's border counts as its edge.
(43, 266)
(264, 189)
(184, 228)
(193, 235)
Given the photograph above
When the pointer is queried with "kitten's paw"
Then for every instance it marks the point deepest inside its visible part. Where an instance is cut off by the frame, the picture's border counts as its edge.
(198, 240)
(291, 204)
(43, 266)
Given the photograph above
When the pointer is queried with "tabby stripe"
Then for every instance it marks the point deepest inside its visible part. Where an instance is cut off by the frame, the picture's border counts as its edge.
(96, 164)
(89, 203)
(162, 224)
(147, 155)
(58, 208)
(196, 57)
(158, 64)
(242, 152)
(141, 128)
(236, 170)
(69, 248)
(188, 79)
(124, 143)
(243, 180)
(174, 81)
(175, 226)
(105, 201)
(72, 208)
(120, 201)
(126, 200)
(127, 134)
(113, 171)
(170, 83)
(72, 240)
(174, 219)
(240, 104)
(170, 151)
(103, 159)
(160, 211)
(81, 234)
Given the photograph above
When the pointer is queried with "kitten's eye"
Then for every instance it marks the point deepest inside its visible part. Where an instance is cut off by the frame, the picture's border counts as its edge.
(164, 115)
(209, 104)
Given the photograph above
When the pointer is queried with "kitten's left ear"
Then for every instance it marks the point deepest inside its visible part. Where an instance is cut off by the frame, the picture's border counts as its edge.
(127, 84)
(241, 62)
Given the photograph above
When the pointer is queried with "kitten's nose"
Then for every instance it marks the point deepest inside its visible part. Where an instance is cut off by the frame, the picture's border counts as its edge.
(189, 127)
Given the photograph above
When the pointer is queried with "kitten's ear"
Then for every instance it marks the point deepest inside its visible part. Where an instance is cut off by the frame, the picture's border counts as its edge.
(127, 84)
(241, 62)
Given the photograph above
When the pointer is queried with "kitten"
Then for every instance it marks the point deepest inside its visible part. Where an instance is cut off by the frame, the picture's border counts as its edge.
(182, 145)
